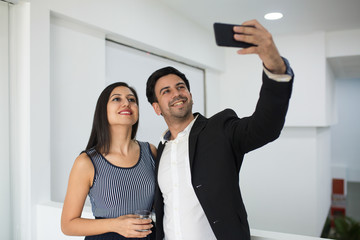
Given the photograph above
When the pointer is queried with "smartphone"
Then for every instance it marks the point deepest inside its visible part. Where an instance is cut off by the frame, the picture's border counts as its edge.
(224, 36)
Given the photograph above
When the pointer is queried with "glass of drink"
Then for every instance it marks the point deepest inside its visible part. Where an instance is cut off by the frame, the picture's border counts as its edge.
(143, 214)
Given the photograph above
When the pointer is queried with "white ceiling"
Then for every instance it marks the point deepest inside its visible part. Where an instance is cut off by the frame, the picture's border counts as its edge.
(300, 16)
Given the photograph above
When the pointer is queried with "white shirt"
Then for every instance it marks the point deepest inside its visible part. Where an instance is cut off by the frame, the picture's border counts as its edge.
(184, 218)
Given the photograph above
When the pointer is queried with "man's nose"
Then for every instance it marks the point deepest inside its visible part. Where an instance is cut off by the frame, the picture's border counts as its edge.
(176, 93)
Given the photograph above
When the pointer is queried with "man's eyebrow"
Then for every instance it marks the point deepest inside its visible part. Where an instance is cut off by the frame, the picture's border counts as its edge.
(163, 89)
(180, 83)
(167, 87)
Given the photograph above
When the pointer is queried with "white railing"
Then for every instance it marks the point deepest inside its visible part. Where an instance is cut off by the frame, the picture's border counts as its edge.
(48, 224)
(266, 235)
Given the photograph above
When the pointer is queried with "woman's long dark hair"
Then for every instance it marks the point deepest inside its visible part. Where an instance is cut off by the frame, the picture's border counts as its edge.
(100, 135)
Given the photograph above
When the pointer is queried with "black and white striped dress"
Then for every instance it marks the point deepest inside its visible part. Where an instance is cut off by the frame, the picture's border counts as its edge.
(118, 191)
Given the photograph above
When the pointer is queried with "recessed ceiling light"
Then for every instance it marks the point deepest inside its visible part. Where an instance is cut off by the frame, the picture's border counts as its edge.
(273, 16)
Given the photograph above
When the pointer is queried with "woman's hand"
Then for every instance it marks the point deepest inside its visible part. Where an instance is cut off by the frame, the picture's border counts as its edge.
(131, 226)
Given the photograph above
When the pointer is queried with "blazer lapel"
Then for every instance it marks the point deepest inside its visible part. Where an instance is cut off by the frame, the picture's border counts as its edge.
(158, 156)
(194, 134)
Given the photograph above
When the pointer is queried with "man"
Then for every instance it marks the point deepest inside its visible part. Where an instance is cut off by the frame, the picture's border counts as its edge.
(199, 159)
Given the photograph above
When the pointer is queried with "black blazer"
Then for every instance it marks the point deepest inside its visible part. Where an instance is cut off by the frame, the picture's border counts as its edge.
(216, 150)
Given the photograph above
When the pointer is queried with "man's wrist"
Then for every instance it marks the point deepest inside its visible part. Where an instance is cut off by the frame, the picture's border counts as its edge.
(285, 77)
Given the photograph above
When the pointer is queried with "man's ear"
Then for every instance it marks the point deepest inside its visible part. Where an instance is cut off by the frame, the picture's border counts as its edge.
(156, 107)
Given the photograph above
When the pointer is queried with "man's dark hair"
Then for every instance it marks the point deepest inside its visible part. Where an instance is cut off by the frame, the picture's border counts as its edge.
(100, 134)
(154, 77)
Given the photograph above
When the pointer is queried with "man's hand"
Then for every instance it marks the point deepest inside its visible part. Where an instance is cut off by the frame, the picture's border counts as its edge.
(266, 48)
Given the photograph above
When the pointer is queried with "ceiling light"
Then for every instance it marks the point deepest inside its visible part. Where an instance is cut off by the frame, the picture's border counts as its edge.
(273, 16)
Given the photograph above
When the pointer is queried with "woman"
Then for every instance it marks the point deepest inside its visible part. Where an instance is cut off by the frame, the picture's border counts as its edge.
(115, 170)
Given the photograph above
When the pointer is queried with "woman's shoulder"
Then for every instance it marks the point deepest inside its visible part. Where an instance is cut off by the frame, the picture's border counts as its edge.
(82, 170)
(83, 162)
(150, 146)
(153, 150)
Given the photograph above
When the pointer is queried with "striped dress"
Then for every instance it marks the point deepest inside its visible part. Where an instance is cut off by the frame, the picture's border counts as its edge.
(118, 191)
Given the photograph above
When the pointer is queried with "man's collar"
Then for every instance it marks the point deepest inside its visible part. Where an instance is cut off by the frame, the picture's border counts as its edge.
(165, 137)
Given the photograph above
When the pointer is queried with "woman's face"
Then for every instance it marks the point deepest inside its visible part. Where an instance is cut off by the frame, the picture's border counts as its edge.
(122, 107)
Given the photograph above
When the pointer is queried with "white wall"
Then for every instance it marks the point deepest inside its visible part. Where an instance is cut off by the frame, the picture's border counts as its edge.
(20, 164)
(286, 181)
(4, 124)
(48, 221)
(345, 134)
(343, 43)
(77, 78)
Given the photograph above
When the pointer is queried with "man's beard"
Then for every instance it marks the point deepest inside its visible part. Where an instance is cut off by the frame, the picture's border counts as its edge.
(181, 113)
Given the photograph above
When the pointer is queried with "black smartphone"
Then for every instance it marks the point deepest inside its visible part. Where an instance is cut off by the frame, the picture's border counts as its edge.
(224, 36)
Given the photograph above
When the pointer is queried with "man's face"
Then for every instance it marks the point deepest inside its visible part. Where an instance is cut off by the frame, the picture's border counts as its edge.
(174, 99)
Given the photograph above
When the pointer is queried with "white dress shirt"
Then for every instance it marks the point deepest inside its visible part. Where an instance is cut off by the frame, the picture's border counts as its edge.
(184, 218)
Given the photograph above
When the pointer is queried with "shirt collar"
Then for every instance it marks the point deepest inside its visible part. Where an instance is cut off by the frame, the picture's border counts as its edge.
(165, 137)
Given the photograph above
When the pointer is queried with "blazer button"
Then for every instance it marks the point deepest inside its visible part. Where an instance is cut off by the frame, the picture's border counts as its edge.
(199, 186)
(216, 221)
